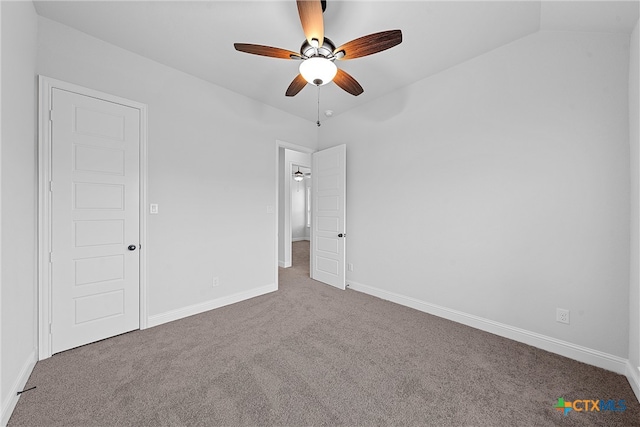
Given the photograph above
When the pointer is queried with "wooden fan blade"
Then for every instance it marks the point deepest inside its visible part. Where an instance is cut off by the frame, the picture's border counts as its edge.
(310, 12)
(347, 83)
(296, 85)
(368, 45)
(272, 52)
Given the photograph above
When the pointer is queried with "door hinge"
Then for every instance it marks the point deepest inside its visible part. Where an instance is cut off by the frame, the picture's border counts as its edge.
(51, 186)
(51, 115)
(50, 257)
(50, 328)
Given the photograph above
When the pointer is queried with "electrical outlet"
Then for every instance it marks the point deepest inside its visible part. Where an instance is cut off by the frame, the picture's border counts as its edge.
(350, 267)
(215, 282)
(562, 315)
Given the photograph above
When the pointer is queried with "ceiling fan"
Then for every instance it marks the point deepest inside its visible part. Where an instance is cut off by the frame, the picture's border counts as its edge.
(318, 53)
(299, 176)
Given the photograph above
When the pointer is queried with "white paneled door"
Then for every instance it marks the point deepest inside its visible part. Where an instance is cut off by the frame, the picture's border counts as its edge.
(328, 218)
(94, 219)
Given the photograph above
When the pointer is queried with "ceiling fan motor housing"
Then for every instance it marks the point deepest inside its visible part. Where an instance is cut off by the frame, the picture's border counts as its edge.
(326, 50)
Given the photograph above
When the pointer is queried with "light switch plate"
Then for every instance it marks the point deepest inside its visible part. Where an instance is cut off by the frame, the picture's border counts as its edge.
(153, 208)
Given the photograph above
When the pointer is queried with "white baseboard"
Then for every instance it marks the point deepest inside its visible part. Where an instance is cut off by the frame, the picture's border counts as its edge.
(633, 375)
(181, 313)
(281, 264)
(11, 400)
(563, 348)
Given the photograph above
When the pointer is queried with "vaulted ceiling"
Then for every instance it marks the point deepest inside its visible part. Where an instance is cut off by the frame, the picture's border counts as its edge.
(197, 38)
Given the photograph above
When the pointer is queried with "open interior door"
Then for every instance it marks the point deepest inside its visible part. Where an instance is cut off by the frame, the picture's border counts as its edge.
(328, 216)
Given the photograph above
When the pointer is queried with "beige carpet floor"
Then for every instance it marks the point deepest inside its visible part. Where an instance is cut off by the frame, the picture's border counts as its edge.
(311, 355)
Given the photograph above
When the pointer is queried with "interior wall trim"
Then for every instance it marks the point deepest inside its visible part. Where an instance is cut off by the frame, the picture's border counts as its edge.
(181, 313)
(633, 375)
(587, 355)
(11, 399)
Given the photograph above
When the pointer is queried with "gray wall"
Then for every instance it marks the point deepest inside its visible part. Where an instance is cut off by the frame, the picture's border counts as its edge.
(19, 195)
(298, 210)
(499, 188)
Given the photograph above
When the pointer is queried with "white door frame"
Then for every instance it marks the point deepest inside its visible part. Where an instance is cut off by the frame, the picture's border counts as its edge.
(45, 88)
(290, 146)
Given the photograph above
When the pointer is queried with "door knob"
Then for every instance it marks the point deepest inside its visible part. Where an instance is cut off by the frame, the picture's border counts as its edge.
(342, 235)
(132, 247)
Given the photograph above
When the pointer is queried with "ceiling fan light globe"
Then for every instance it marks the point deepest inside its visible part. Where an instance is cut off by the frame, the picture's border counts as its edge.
(318, 71)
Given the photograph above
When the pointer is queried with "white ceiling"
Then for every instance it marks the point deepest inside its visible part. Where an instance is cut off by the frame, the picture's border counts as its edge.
(197, 37)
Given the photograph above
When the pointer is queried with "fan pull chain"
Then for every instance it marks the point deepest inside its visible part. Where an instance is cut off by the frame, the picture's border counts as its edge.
(318, 122)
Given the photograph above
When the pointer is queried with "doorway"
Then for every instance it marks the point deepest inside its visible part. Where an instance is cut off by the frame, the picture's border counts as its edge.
(294, 178)
(300, 196)
(327, 202)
